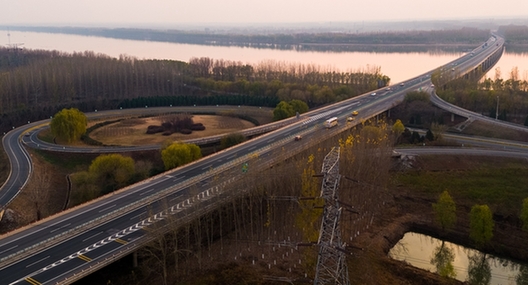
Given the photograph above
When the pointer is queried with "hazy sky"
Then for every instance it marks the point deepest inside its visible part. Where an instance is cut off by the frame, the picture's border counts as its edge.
(166, 12)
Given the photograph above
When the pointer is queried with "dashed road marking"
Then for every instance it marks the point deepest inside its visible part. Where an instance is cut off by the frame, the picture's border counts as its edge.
(120, 241)
(84, 257)
(32, 281)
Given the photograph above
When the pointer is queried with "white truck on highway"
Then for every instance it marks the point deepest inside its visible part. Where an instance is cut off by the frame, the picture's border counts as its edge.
(330, 122)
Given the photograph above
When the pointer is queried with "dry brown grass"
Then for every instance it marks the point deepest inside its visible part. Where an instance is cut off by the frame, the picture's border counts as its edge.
(490, 130)
(4, 165)
(45, 191)
(133, 131)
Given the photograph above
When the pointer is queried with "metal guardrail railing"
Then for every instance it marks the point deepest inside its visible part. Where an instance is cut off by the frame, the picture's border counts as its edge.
(130, 207)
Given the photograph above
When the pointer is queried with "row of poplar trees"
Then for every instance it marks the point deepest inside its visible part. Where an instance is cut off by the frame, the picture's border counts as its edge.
(35, 84)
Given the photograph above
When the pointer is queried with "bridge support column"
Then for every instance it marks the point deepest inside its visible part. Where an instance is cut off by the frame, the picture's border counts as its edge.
(452, 117)
(134, 259)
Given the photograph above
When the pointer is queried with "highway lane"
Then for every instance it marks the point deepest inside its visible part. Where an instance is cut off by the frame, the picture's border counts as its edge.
(310, 125)
(481, 142)
(21, 167)
(464, 151)
(76, 218)
(437, 101)
(12, 186)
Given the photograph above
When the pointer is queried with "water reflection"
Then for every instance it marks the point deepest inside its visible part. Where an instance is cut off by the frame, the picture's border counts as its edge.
(522, 276)
(479, 271)
(455, 261)
(443, 258)
(398, 66)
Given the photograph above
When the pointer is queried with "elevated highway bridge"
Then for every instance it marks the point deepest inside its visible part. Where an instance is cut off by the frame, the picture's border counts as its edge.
(70, 245)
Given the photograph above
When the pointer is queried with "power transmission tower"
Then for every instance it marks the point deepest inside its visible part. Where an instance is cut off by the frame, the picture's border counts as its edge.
(331, 262)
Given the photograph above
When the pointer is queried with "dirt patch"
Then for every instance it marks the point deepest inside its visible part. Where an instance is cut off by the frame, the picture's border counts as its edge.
(133, 131)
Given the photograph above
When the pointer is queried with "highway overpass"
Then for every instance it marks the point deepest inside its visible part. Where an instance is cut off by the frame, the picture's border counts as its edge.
(72, 244)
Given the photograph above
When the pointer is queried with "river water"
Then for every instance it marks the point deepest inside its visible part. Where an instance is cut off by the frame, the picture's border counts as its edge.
(467, 264)
(398, 66)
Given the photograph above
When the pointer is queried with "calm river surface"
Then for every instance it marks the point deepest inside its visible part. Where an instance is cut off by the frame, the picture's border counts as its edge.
(398, 66)
(467, 264)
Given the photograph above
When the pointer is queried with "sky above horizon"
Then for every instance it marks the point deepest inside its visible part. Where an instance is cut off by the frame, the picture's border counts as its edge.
(168, 12)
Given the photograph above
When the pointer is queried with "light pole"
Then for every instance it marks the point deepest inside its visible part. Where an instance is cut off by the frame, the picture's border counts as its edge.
(497, 112)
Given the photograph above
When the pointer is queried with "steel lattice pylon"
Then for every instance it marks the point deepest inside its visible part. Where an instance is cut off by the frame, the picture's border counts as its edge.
(331, 263)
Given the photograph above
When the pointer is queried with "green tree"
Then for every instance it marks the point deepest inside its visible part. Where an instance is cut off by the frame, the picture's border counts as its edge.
(445, 211)
(196, 152)
(481, 224)
(299, 106)
(178, 154)
(282, 111)
(85, 187)
(112, 171)
(429, 135)
(438, 130)
(69, 124)
(398, 128)
(524, 214)
(415, 137)
(231, 140)
(416, 96)
(324, 95)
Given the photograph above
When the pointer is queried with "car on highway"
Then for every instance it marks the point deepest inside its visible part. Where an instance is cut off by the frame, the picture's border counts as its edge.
(355, 113)
(350, 119)
(298, 138)
(373, 94)
(402, 84)
(387, 89)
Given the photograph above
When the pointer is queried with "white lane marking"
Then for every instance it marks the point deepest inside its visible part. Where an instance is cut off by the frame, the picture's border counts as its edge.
(8, 249)
(175, 197)
(154, 182)
(252, 148)
(207, 167)
(145, 192)
(92, 236)
(147, 222)
(102, 210)
(138, 215)
(60, 227)
(37, 261)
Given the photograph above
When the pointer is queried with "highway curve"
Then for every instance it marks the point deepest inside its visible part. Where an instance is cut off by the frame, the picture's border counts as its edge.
(64, 247)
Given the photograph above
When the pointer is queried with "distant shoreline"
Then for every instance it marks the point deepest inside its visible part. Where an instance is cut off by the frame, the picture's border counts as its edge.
(409, 41)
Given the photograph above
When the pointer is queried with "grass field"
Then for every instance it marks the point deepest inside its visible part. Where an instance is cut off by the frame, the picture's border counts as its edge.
(492, 131)
(499, 183)
(133, 131)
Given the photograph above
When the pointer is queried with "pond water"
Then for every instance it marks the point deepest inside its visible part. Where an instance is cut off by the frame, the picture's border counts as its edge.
(398, 66)
(464, 264)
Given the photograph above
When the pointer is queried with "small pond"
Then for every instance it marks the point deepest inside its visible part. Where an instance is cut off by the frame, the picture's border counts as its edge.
(464, 264)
